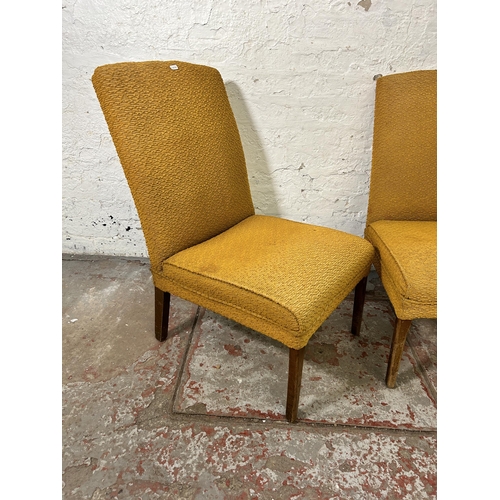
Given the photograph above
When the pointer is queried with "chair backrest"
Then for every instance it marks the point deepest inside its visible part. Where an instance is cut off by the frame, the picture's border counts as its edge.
(179, 146)
(403, 183)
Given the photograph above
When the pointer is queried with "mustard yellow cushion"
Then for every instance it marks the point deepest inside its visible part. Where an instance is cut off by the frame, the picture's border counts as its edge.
(279, 277)
(406, 260)
(403, 180)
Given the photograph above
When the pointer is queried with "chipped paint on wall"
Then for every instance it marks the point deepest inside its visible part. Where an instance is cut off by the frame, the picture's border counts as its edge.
(299, 76)
(366, 4)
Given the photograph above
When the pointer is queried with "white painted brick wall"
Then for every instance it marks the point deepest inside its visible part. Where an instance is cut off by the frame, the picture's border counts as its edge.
(300, 79)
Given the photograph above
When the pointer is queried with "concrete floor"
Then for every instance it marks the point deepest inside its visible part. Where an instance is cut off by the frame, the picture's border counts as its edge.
(201, 415)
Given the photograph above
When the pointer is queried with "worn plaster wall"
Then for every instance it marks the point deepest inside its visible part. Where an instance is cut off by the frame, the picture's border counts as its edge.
(300, 76)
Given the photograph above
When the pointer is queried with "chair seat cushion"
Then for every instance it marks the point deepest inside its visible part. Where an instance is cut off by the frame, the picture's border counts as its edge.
(279, 277)
(406, 259)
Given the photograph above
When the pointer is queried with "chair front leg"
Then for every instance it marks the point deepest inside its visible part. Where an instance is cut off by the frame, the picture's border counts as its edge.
(295, 364)
(359, 302)
(162, 309)
(398, 343)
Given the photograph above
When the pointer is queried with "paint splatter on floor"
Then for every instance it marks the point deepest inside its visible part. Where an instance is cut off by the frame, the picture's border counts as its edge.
(234, 371)
(200, 416)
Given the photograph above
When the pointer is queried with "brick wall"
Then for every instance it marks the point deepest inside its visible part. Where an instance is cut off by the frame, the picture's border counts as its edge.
(300, 79)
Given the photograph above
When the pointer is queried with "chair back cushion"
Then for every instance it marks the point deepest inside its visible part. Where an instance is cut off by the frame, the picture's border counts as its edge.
(180, 149)
(403, 184)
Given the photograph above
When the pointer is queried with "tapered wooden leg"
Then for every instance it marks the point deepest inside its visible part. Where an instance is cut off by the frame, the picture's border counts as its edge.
(296, 361)
(359, 302)
(162, 309)
(398, 343)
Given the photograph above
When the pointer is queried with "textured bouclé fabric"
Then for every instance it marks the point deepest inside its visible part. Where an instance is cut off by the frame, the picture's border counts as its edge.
(402, 206)
(277, 276)
(178, 143)
(403, 182)
(180, 149)
(406, 260)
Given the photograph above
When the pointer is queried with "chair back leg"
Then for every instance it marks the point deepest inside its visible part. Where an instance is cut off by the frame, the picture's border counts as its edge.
(162, 309)
(296, 362)
(359, 302)
(398, 343)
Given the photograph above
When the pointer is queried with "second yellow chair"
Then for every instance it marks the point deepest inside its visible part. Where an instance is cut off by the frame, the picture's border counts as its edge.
(402, 206)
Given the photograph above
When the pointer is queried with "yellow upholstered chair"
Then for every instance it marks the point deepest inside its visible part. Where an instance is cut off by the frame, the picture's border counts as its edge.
(179, 146)
(402, 207)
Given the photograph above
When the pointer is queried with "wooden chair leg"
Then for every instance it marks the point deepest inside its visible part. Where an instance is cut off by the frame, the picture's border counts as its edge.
(296, 362)
(359, 302)
(162, 309)
(398, 343)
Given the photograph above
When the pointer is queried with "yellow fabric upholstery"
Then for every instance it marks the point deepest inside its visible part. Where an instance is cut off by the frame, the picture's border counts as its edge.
(406, 260)
(174, 132)
(403, 183)
(279, 277)
(402, 205)
(181, 152)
